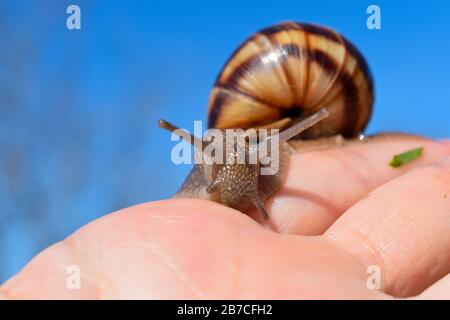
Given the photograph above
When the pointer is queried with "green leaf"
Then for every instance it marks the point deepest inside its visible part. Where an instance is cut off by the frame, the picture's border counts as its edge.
(405, 157)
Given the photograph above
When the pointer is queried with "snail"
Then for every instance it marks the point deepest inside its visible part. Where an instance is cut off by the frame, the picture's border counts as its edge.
(306, 80)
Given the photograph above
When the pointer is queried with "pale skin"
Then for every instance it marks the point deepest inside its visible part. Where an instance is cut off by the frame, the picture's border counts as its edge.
(340, 211)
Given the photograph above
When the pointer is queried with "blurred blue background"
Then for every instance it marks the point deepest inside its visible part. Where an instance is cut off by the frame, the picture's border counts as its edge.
(78, 108)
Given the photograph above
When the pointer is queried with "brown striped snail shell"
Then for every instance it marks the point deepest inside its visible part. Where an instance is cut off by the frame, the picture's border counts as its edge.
(279, 77)
(290, 70)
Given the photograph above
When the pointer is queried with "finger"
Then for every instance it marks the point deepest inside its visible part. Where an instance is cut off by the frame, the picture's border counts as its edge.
(123, 255)
(404, 228)
(189, 249)
(322, 184)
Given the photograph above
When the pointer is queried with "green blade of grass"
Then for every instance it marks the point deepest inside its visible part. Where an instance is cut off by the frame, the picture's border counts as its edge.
(405, 157)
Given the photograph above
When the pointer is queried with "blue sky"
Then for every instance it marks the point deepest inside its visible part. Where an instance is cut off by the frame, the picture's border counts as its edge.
(78, 109)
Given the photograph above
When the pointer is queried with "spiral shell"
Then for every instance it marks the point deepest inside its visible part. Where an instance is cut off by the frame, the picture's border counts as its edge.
(288, 71)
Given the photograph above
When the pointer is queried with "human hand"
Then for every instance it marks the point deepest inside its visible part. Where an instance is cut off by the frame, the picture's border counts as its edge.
(340, 211)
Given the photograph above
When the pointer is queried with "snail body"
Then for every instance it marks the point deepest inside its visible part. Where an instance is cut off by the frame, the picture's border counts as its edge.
(305, 80)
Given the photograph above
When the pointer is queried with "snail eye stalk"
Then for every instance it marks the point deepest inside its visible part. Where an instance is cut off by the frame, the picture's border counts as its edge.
(183, 134)
(304, 124)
